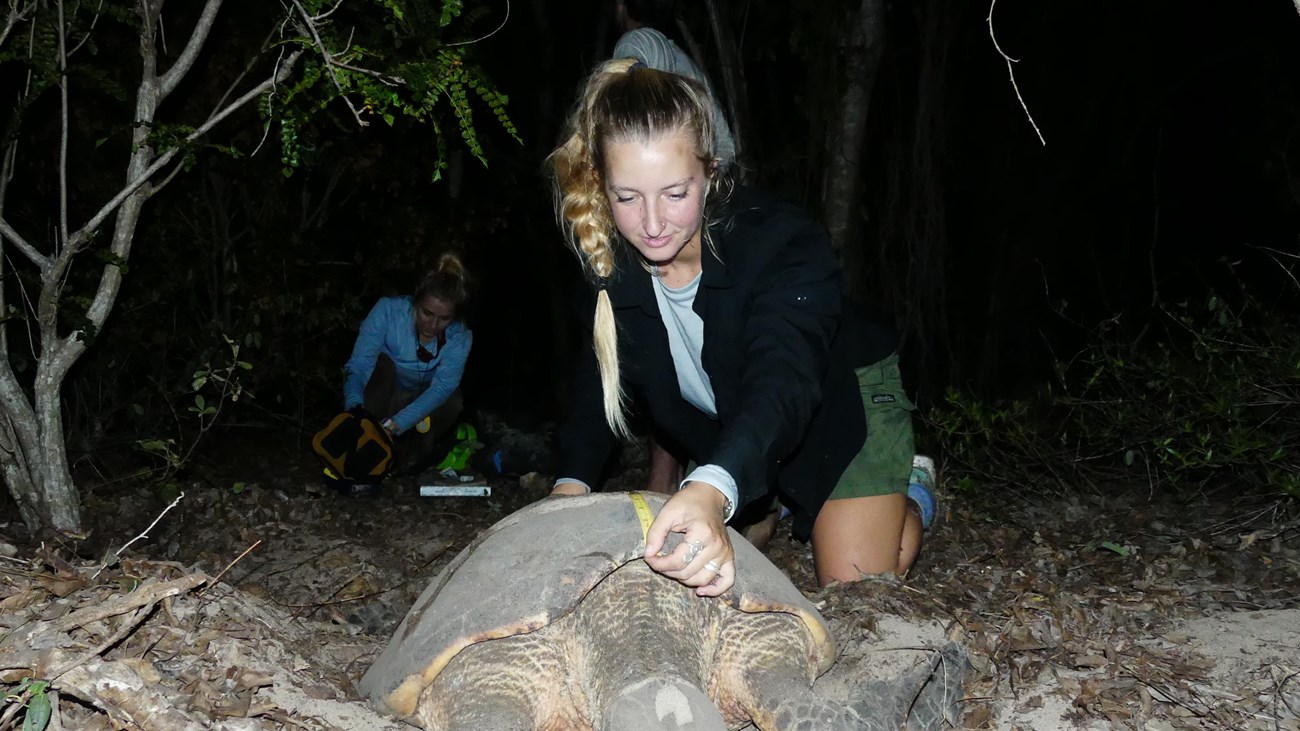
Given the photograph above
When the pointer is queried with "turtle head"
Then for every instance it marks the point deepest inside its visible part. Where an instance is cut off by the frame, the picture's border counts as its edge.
(662, 704)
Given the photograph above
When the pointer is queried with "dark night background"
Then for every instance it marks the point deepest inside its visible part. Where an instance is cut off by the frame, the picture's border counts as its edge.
(1165, 178)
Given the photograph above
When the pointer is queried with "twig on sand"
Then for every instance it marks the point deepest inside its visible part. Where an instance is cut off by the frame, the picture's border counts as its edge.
(143, 534)
(232, 563)
(144, 596)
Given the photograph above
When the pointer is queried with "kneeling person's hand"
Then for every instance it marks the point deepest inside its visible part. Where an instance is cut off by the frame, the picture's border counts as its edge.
(704, 559)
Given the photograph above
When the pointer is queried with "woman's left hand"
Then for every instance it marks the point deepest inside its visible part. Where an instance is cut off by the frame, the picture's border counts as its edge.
(704, 559)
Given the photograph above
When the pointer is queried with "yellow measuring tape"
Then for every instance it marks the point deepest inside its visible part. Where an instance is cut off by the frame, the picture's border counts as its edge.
(643, 514)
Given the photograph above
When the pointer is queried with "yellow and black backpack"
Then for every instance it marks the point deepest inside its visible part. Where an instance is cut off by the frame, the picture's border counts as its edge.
(355, 447)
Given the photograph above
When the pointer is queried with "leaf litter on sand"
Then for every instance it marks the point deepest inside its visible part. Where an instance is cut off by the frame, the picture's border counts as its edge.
(1081, 611)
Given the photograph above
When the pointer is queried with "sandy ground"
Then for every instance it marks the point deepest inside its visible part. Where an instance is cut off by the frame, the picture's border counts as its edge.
(1094, 611)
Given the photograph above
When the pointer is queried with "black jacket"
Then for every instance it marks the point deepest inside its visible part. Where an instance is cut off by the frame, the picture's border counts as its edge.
(780, 346)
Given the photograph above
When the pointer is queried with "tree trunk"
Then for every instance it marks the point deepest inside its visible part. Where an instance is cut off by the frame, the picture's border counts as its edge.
(861, 50)
(33, 450)
(734, 89)
(911, 230)
(62, 501)
(17, 422)
(18, 475)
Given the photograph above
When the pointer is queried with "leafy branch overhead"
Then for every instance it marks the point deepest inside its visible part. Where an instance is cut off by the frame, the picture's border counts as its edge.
(408, 64)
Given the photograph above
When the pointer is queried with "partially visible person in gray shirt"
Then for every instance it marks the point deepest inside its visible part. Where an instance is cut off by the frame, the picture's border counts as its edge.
(643, 42)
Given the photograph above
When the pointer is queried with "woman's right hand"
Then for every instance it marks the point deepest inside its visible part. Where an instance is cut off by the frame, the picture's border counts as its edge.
(704, 559)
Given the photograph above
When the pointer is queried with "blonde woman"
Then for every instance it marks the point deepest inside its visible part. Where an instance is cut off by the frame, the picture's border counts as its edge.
(720, 312)
(408, 360)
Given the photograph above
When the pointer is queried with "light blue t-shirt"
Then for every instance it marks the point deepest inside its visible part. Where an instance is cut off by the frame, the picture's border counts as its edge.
(686, 344)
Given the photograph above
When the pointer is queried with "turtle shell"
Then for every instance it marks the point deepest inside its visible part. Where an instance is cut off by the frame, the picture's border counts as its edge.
(535, 566)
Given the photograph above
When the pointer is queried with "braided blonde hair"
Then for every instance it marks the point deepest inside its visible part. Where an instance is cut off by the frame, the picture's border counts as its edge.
(621, 101)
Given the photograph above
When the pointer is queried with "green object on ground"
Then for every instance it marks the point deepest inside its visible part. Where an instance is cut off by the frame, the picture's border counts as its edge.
(458, 456)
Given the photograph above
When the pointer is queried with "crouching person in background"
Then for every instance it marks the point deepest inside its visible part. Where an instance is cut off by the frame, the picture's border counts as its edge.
(405, 371)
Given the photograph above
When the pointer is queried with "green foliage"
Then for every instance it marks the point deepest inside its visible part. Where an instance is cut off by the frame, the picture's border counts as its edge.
(211, 388)
(399, 67)
(32, 49)
(37, 715)
(1212, 400)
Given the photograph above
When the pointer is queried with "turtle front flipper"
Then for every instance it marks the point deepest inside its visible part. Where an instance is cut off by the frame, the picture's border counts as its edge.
(511, 684)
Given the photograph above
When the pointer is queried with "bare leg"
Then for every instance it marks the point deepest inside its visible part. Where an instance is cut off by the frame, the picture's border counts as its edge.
(416, 449)
(665, 470)
(913, 535)
(760, 533)
(568, 488)
(857, 537)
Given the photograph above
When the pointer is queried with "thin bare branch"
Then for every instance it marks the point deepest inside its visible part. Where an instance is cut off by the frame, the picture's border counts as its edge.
(198, 37)
(1012, 73)
(164, 159)
(230, 565)
(121, 604)
(125, 629)
(93, 22)
(1274, 254)
(330, 12)
(62, 239)
(385, 79)
(41, 261)
(503, 24)
(6, 174)
(248, 68)
(329, 61)
(266, 128)
(28, 306)
(169, 177)
(17, 15)
(143, 534)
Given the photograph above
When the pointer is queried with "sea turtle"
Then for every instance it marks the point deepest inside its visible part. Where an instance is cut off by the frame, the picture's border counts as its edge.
(552, 620)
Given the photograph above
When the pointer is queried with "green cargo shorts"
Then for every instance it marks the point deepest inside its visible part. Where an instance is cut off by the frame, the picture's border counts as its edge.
(884, 463)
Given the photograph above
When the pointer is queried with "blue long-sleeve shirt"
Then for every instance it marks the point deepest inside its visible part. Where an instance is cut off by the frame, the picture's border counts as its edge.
(390, 329)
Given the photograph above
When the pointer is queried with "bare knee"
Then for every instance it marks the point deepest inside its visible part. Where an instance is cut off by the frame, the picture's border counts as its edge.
(854, 538)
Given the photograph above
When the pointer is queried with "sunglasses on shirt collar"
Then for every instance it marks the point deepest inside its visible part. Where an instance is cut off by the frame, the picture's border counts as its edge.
(424, 354)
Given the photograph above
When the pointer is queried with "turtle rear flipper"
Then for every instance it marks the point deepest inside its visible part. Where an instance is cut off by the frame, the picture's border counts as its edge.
(779, 696)
(924, 698)
(776, 695)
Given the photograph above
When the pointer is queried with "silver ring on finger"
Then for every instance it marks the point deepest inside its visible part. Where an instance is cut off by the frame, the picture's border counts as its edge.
(712, 566)
(693, 549)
